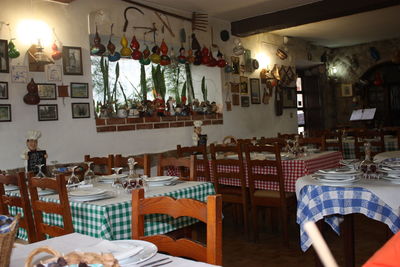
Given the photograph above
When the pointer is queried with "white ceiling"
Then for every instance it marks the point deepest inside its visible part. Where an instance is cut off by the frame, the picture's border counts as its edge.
(350, 30)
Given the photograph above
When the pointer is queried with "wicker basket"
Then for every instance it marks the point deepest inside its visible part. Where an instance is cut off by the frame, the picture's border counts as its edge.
(7, 243)
(107, 259)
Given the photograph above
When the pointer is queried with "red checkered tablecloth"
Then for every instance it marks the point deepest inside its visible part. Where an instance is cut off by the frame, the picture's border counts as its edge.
(292, 170)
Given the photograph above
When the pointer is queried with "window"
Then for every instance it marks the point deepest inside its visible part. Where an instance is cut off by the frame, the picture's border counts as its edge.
(300, 107)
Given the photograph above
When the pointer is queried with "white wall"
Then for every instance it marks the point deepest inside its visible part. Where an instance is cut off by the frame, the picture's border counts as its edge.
(67, 139)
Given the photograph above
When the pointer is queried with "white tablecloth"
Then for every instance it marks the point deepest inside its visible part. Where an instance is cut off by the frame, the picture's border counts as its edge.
(71, 242)
(385, 155)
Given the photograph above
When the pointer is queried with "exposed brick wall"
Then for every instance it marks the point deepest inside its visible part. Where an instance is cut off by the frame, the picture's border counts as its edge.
(149, 123)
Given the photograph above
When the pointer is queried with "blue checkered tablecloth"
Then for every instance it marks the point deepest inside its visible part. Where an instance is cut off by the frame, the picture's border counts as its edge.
(113, 221)
(316, 202)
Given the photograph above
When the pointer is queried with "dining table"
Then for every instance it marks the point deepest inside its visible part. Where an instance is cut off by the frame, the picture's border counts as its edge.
(391, 144)
(375, 198)
(79, 242)
(111, 218)
(292, 167)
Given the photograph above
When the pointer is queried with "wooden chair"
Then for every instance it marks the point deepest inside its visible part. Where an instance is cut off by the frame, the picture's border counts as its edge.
(229, 140)
(230, 194)
(318, 142)
(57, 184)
(102, 165)
(374, 137)
(335, 145)
(393, 131)
(268, 198)
(21, 201)
(196, 150)
(289, 136)
(271, 140)
(143, 162)
(209, 213)
(248, 141)
(178, 163)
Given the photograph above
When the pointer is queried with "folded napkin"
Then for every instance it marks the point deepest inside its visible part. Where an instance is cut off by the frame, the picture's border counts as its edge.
(5, 224)
(119, 252)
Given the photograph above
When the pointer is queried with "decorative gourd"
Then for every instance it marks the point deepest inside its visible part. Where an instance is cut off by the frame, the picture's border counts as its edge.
(32, 97)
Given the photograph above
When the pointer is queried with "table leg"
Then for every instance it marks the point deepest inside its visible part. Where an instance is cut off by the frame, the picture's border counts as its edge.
(347, 231)
(318, 262)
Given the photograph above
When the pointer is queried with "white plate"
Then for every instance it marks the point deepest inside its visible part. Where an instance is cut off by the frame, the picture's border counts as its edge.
(337, 182)
(340, 171)
(149, 250)
(159, 178)
(106, 195)
(82, 192)
(113, 176)
(162, 183)
(392, 180)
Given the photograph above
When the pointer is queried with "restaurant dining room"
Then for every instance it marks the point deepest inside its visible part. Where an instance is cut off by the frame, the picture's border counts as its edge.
(144, 133)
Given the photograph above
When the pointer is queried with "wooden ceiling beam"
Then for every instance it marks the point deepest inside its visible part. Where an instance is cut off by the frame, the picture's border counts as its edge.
(314, 12)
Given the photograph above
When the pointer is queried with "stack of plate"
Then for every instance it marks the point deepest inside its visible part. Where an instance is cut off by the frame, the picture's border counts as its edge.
(391, 170)
(337, 176)
(88, 194)
(109, 179)
(160, 180)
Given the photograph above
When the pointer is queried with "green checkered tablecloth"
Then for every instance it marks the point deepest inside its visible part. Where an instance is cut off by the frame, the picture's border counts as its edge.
(113, 221)
(348, 147)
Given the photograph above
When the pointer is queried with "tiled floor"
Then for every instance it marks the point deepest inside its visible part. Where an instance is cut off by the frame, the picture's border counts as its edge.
(240, 252)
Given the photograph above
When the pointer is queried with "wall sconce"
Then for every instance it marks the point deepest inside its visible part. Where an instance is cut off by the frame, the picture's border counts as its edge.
(37, 58)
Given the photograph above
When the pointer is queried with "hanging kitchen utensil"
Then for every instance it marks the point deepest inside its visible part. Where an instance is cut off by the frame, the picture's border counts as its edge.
(212, 38)
(182, 35)
(228, 100)
(195, 43)
(126, 18)
(199, 20)
(165, 23)
(112, 55)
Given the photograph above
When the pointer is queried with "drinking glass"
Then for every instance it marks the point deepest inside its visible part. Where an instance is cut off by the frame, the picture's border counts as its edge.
(54, 170)
(89, 175)
(73, 179)
(117, 182)
(40, 173)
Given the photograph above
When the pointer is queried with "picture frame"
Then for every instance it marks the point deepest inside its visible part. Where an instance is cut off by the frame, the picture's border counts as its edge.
(80, 110)
(235, 99)
(255, 91)
(5, 112)
(53, 73)
(235, 88)
(79, 90)
(289, 99)
(19, 74)
(244, 87)
(235, 65)
(48, 112)
(72, 60)
(245, 101)
(347, 90)
(47, 91)
(3, 90)
(4, 60)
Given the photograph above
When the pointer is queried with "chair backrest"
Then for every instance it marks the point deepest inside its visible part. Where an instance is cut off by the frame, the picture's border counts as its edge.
(319, 142)
(248, 140)
(202, 162)
(57, 184)
(274, 175)
(333, 139)
(178, 163)
(222, 167)
(374, 137)
(102, 165)
(143, 162)
(21, 201)
(229, 140)
(209, 213)
(272, 140)
(291, 136)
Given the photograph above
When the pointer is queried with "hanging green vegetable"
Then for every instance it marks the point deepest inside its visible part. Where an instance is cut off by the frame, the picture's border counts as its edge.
(143, 86)
(204, 88)
(114, 93)
(189, 84)
(104, 71)
(183, 95)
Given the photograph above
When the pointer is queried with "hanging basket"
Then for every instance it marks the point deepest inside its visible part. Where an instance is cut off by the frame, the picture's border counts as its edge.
(7, 242)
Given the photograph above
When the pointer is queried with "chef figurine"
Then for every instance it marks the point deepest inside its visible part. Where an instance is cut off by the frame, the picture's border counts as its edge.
(196, 132)
(31, 145)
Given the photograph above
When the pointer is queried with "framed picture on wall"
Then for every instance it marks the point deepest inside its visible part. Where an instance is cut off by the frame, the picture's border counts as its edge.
(235, 65)
(47, 91)
(289, 97)
(244, 87)
(3, 90)
(72, 60)
(79, 90)
(4, 61)
(54, 73)
(255, 91)
(5, 112)
(19, 74)
(245, 101)
(235, 88)
(347, 90)
(48, 112)
(235, 100)
(80, 110)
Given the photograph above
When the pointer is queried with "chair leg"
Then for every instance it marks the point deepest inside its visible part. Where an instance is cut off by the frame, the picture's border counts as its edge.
(255, 222)
(245, 219)
(284, 218)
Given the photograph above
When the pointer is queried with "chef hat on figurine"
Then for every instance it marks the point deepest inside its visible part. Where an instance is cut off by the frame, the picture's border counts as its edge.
(197, 123)
(33, 135)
